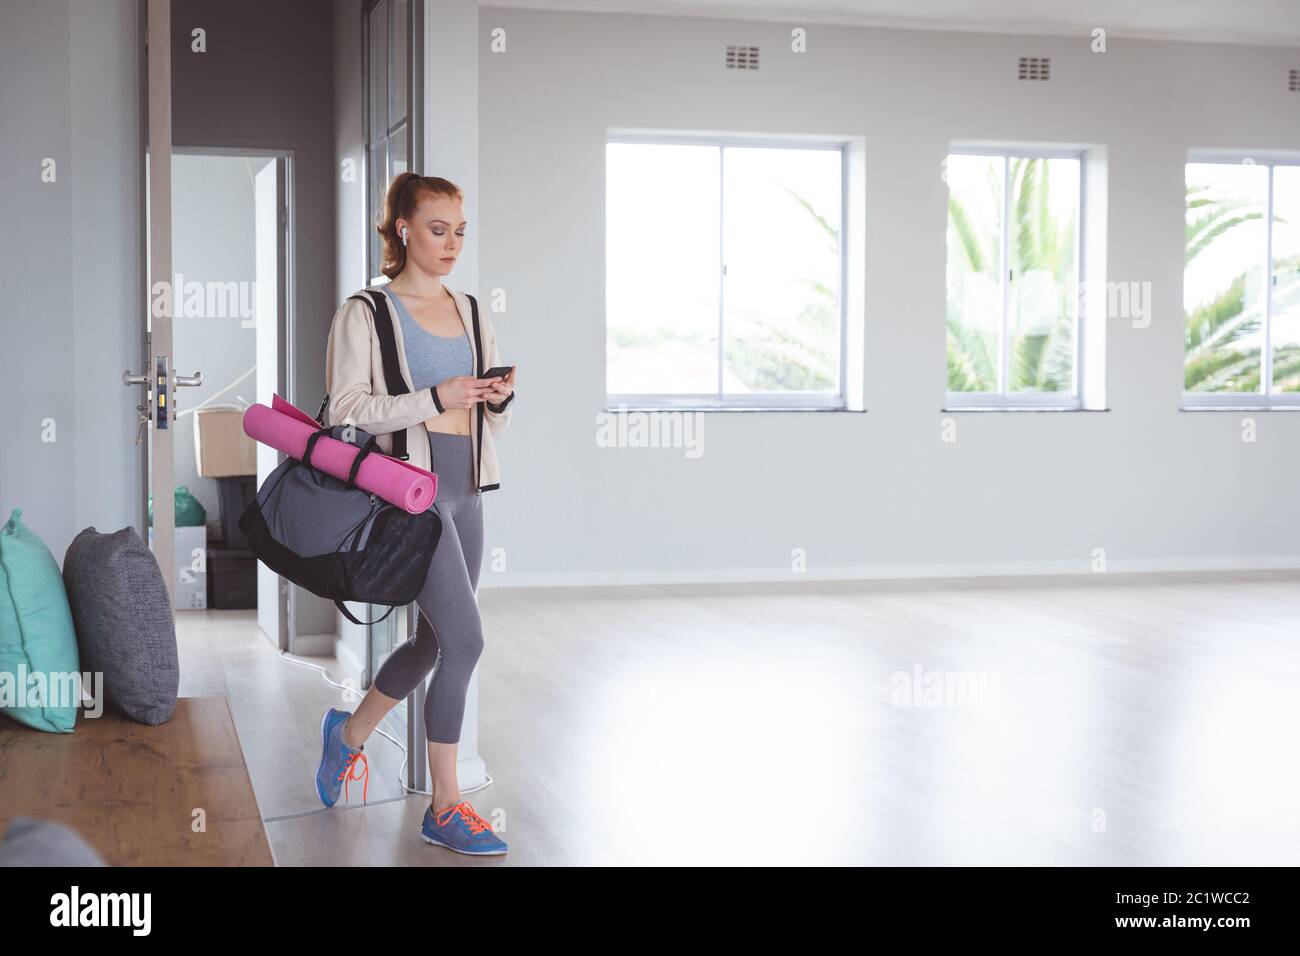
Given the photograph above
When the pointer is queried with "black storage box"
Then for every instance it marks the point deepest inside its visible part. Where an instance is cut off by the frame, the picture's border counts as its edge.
(232, 578)
(234, 495)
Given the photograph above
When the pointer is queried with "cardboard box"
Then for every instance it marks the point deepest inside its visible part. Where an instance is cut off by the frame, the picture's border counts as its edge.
(191, 567)
(221, 449)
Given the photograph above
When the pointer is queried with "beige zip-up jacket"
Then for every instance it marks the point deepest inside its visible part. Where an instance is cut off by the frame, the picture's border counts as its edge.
(358, 393)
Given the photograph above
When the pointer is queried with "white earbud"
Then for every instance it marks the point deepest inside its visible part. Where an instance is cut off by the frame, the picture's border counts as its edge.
(403, 235)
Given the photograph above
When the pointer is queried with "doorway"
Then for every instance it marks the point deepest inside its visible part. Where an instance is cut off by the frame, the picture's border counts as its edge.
(230, 321)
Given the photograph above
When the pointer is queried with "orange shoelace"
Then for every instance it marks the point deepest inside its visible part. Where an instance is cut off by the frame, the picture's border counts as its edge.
(472, 820)
(346, 774)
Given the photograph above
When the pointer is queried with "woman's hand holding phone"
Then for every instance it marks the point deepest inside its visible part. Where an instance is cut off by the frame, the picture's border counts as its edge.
(463, 391)
(501, 386)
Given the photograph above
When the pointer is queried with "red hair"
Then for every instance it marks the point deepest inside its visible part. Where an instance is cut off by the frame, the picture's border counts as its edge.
(404, 194)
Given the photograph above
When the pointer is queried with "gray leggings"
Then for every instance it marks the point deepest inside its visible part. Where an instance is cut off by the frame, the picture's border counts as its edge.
(449, 634)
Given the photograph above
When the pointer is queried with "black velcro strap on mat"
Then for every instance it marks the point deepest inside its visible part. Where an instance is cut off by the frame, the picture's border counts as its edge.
(311, 446)
(388, 355)
(366, 449)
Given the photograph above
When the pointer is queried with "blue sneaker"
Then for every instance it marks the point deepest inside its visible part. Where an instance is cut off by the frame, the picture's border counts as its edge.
(459, 828)
(338, 761)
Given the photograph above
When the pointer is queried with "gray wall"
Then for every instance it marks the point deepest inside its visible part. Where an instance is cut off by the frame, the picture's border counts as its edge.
(875, 493)
(266, 82)
(350, 195)
(72, 304)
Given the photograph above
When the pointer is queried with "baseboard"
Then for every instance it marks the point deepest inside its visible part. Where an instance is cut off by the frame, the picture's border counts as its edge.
(1080, 567)
(314, 645)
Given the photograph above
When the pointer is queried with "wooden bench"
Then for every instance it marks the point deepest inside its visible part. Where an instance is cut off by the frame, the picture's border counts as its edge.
(132, 791)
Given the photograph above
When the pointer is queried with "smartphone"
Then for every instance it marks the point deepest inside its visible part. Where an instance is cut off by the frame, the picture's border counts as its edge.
(501, 371)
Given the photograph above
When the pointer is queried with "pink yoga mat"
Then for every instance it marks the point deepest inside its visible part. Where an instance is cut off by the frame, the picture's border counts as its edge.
(286, 428)
(293, 411)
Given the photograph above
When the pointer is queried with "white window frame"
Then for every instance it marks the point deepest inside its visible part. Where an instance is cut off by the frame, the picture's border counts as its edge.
(751, 401)
(1266, 399)
(1033, 399)
(412, 135)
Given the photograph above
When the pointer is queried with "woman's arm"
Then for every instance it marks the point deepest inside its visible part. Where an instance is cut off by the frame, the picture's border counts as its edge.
(347, 379)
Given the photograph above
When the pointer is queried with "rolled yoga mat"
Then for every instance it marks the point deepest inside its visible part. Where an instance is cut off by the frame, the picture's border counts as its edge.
(293, 411)
(398, 482)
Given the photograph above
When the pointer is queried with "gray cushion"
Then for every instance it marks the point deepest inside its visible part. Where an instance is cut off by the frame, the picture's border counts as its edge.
(123, 618)
(32, 842)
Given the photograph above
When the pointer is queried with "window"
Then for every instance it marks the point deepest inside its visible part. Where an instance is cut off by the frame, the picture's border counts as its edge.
(1241, 282)
(723, 266)
(1012, 278)
(389, 70)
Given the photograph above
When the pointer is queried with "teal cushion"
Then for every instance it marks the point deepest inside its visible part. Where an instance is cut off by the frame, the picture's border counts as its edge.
(36, 634)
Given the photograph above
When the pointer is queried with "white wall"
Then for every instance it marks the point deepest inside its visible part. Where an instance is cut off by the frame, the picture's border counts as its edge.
(212, 241)
(72, 309)
(875, 493)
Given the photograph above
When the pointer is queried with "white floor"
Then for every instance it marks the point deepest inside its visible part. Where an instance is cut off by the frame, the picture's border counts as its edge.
(1106, 720)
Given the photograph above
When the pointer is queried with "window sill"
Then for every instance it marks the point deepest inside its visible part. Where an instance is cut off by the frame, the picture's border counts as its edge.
(729, 408)
(1240, 408)
(1020, 408)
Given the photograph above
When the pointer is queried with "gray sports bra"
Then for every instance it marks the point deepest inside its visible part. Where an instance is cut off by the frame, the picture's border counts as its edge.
(431, 358)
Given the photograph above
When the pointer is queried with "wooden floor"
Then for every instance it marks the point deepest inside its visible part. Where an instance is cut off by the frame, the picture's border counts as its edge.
(1107, 720)
(169, 794)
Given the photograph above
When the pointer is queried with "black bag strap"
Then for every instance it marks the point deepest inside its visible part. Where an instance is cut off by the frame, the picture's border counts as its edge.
(378, 303)
(348, 614)
(482, 367)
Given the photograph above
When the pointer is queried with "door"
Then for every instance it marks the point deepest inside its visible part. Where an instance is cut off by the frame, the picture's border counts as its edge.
(160, 408)
(157, 378)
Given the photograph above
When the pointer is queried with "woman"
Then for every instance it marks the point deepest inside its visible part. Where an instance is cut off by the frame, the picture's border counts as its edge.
(443, 344)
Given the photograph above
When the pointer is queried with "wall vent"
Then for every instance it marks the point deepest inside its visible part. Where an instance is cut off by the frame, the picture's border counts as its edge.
(1035, 68)
(1295, 81)
(742, 57)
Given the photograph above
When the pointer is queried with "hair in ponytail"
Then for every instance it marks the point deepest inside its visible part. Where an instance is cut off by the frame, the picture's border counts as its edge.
(404, 194)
